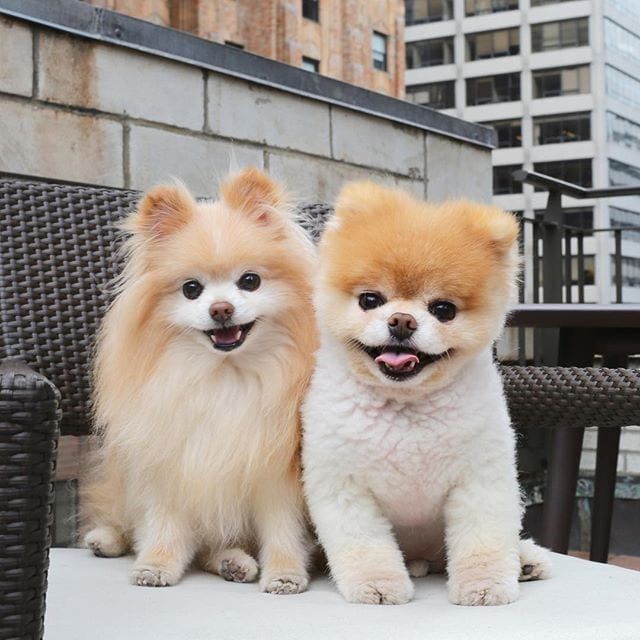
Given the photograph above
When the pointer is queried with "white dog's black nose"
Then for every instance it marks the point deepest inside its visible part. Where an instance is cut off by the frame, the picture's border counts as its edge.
(221, 311)
(402, 325)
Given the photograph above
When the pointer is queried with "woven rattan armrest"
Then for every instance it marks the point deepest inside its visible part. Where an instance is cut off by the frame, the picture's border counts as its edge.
(29, 418)
(554, 397)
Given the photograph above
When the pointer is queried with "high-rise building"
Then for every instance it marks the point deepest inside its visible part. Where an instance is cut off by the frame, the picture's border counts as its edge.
(358, 41)
(560, 82)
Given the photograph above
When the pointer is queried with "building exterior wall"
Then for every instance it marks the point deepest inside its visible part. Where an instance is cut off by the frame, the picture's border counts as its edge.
(598, 150)
(341, 40)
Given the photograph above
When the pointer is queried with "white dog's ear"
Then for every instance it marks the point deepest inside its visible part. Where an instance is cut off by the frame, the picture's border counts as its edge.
(253, 192)
(163, 210)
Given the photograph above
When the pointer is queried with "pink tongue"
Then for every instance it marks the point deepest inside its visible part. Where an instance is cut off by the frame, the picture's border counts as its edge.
(397, 360)
(227, 335)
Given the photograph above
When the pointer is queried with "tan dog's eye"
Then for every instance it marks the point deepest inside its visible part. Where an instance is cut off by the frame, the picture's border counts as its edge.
(249, 281)
(370, 300)
(443, 310)
(192, 289)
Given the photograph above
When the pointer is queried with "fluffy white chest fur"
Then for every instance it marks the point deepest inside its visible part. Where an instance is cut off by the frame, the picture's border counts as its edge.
(391, 481)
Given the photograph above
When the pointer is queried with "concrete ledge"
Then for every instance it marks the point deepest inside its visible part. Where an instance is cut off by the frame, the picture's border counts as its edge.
(90, 598)
(99, 24)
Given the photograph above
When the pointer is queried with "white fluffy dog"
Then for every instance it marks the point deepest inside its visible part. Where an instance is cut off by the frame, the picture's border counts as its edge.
(408, 451)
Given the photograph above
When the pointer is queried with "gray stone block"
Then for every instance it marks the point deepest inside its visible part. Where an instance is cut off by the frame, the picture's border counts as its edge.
(116, 80)
(315, 180)
(16, 59)
(245, 111)
(458, 170)
(157, 156)
(373, 142)
(53, 143)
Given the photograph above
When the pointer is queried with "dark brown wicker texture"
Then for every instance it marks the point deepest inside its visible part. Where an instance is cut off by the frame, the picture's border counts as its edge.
(29, 415)
(57, 254)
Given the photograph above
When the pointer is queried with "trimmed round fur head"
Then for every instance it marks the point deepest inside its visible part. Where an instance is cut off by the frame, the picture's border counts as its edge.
(411, 290)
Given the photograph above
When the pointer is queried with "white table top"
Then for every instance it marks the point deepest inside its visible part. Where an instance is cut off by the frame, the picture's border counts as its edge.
(90, 597)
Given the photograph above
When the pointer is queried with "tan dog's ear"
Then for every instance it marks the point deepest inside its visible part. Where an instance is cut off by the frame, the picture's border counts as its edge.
(255, 193)
(163, 210)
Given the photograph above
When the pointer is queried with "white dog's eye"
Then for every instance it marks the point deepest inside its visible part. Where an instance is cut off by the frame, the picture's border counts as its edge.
(249, 281)
(443, 310)
(192, 289)
(370, 300)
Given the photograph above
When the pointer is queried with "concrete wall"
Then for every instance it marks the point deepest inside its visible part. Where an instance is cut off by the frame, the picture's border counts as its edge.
(76, 109)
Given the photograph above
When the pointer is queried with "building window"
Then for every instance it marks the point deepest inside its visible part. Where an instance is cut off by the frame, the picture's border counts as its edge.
(311, 10)
(310, 64)
(503, 181)
(493, 44)
(622, 87)
(437, 95)
(570, 127)
(421, 11)
(621, 41)
(379, 51)
(487, 90)
(629, 8)
(623, 219)
(573, 171)
(558, 35)
(509, 133)
(561, 82)
(630, 271)
(480, 7)
(429, 53)
(623, 175)
(542, 3)
(623, 132)
(235, 45)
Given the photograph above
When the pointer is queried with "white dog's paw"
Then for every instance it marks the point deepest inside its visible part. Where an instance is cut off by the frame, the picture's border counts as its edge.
(535, 561)
(235, 565)
(153, 577)
(284, 584)
(106, 542)
(482, 592)
(418, 568)
(392, 588)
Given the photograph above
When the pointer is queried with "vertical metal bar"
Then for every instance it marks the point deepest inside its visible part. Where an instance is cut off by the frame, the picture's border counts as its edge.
(618, 258)
(536, 261)
(522, 355)
(552, 270)
(581, 266)
(567, 265)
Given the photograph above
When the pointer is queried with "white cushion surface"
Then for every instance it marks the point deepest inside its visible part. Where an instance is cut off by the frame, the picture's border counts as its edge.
(90, 598)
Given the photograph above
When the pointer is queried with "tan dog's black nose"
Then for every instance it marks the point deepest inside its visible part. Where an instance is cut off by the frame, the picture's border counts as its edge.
(402, 325)
(221, 311)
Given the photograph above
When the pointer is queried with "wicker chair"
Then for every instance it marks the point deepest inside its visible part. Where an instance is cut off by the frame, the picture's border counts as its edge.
(56, 255)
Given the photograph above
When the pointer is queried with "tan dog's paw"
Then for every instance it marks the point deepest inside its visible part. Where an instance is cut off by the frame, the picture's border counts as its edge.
(487, 592)
(238, 566)
(384, 589)
(106, 542)
(153, 577)
(535, 562)
(284, 584)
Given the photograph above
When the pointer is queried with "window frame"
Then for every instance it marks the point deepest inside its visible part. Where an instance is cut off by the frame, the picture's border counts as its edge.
(381, 64)
(311, 10)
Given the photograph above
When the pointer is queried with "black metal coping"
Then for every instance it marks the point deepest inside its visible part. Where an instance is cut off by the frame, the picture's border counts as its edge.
(82, 19)
(575, 315)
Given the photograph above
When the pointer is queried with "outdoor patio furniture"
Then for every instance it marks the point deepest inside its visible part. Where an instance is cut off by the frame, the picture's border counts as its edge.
(57, 253)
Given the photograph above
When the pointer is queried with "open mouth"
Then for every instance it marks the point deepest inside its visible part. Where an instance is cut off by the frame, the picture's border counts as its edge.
(229, 338)
(400, 362)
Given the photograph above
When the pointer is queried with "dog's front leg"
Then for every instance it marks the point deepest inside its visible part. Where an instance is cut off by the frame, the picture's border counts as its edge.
(165, 546)
(482, 529)
(364, 557)
(282, 534)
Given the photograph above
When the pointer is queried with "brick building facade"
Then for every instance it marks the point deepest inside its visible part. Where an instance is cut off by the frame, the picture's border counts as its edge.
(358, 41)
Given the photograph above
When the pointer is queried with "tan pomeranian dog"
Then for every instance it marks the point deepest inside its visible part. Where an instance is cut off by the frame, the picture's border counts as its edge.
(201, 364)
(408, 453)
